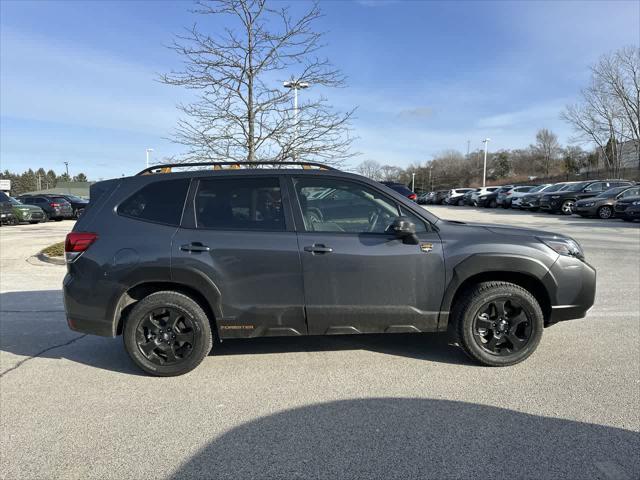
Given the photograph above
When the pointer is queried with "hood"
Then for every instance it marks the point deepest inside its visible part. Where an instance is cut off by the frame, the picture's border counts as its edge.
(507, 229)
(628, 200)
(30, 208)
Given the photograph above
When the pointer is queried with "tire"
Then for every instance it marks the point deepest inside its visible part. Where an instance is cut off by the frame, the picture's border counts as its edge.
(46, 218)
(567, 207)
(468, 319)
(493, 204)
(461, 203)
(33, 222)
(605, 212)
(190, 321)
(58, 219)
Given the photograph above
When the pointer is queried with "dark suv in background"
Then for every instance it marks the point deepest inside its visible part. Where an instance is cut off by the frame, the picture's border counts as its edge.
(564, 200)
(173, 260)
(6, 209)
(54, 207)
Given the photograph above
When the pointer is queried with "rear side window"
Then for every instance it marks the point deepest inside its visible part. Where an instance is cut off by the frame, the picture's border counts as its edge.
(159, 202)
(240, 204)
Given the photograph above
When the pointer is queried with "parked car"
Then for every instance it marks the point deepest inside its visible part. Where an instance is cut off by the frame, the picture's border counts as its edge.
(603, 205)
(506, 197)
(422, 198)
(401, 189)
(54, 208)
(481, 191)
(78, 204)
(170, 259)
(531, 201)
(564, 200)
(467, 198)
(489, 199)
(517, 200)
(632, 212)
(439, 196)
(623, 204)
(6, 209)
(456, 196)
(26, 213)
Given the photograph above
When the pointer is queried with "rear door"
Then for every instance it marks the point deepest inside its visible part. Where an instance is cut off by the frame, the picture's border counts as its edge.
(237, 232)
(358, 278)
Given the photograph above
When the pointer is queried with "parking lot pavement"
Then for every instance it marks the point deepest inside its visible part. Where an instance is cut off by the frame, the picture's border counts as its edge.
(402, 406)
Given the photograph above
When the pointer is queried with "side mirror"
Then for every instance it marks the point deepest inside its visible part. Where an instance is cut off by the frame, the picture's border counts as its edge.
(405, 229)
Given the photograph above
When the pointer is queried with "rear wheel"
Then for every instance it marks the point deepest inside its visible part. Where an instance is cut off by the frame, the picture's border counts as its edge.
(167, 334)
(498, 323)
(605, 212)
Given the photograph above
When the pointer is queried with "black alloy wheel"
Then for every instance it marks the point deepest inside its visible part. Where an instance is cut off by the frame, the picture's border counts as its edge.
(166, 336)
(501, 327)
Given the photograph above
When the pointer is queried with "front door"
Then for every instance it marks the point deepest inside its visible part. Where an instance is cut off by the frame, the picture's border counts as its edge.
(358, 277)
(236, 235)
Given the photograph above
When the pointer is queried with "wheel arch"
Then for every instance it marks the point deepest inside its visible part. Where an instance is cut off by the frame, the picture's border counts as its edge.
(528, 273)
(136, 293)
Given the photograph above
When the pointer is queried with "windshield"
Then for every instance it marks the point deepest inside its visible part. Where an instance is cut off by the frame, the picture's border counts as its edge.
(538, 188)
(612, 192)
(75, 198)
(574, 187)
(14, 201)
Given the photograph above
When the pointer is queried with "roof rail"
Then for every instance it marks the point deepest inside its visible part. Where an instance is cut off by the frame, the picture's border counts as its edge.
(167, 167)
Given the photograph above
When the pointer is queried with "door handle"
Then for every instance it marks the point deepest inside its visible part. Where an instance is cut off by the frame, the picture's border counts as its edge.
(318, 248)
(194, 247)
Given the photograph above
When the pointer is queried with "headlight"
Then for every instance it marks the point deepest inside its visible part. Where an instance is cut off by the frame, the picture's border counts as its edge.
(589, 204)
(555, 196)
(564, 246)
(637, 202)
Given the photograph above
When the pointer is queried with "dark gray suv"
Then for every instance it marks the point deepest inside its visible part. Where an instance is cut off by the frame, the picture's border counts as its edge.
(173, 260)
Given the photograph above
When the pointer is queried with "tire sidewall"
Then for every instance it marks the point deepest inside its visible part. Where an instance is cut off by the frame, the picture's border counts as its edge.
(202, 333)
(532, 310)
(605, 208)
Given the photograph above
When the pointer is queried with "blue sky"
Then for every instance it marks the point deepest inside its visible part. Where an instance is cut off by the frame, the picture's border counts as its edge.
(77, 79)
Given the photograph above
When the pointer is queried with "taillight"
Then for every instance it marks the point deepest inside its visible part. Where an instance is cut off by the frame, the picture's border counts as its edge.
(413, 196)
(78, 242)
(54, 205)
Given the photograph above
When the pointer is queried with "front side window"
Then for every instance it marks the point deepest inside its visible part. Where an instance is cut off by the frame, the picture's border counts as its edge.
(595, 187)
(331, 205)
(631, 192)
(240, 204)
(158, 202)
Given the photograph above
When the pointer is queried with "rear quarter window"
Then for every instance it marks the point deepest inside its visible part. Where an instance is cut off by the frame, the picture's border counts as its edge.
(159, 202)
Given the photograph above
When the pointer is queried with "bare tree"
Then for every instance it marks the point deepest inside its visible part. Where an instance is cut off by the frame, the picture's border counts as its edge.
(609, 111)
(390, 173)
(547, 147)
(242, 112)
(370, 169)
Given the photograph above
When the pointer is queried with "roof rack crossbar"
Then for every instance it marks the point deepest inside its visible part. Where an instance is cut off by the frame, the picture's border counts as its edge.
(166, 167)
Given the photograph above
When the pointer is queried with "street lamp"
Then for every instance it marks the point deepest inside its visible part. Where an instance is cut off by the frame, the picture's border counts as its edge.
(148, 151)
(413, 181)
(484, 173)
(66, 166)
(295, 85)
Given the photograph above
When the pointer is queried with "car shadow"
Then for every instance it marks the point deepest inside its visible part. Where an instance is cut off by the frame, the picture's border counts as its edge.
(33, 323)
(409, 438)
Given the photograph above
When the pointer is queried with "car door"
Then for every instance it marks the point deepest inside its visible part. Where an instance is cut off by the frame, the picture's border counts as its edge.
(237, 235)
(358, 277)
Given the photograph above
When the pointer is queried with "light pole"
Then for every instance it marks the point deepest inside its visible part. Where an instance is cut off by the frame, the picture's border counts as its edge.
(484, 172)
(66, 166)
(148, 151)
(413, 181)
(295, 85)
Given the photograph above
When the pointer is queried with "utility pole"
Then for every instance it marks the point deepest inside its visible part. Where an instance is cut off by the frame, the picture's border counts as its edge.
(413, 181)
(148, 151)
(484, 172)
(430, 182)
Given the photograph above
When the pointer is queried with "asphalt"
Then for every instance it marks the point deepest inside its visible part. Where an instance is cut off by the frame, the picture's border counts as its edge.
(400, 406)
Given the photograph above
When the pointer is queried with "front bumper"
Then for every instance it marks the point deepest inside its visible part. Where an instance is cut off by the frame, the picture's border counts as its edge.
(574, 285)
(6, 217)
(586, 211)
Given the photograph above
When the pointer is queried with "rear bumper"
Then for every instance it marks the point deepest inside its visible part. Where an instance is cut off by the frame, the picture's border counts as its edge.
(574, 286)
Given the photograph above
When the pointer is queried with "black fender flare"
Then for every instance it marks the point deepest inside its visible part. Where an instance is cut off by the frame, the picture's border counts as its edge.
(201, 283)
(501, 265)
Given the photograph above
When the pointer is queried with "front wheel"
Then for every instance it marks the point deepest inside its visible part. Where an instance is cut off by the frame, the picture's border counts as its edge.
(567, 207)
(605, 212)
(167, 334)
(498, 323)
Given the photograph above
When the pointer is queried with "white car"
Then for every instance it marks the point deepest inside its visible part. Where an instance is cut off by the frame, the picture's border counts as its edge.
(456, 195)
(506, 197)
(516, 199)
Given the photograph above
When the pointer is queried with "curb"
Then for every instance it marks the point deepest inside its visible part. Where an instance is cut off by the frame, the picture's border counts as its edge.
(54, 260)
